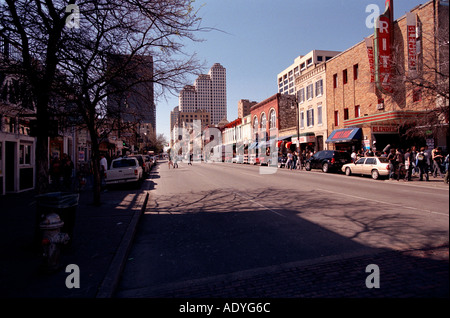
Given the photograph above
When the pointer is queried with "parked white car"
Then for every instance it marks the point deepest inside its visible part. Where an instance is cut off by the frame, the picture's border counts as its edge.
(373, 166)
(124, 170)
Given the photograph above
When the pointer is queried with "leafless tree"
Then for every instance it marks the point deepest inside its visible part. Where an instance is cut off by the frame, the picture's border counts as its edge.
(82, 43)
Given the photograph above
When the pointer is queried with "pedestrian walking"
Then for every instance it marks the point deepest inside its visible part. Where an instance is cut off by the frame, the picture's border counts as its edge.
(415, 169)
(55, 172)
(103, 169)
(191, 157)
(400, 163)
(437, 159)
(392, 161)
(421, 162)
(446, 162)
(289, 160)
(67, 171)
(408, 165)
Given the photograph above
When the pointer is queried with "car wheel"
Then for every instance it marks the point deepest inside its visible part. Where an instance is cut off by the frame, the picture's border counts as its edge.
(375, 174)
(348, 171)
(308, 166)
(325, 167)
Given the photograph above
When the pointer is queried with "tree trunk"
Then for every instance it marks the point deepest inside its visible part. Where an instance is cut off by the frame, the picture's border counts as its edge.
(96, 167)
(42, 183)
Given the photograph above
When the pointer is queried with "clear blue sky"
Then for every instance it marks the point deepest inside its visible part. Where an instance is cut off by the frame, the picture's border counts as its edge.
(263, 37)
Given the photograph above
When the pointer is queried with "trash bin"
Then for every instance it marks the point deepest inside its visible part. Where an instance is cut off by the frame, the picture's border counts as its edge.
(62, 203)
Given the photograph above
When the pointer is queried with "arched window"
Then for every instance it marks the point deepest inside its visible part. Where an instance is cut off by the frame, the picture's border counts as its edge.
(255, 124)
(273, 119)
(263, 121)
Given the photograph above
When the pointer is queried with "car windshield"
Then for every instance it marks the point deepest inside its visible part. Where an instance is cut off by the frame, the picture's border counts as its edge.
(123, 163)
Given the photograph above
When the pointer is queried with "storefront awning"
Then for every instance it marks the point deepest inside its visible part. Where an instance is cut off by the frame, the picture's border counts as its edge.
(345, 135)
(253, 145)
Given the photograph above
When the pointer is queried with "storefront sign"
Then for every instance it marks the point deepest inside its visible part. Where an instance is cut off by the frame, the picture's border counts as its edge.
(370, 53)
(382, 42)
(412, 42)
(384, 129)
(306, 139)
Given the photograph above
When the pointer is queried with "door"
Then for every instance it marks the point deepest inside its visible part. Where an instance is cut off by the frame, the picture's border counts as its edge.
(10, 171)
(370, 162)
(359, 166)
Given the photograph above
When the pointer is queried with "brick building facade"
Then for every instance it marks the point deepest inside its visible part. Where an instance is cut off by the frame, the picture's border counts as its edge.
(377, 119)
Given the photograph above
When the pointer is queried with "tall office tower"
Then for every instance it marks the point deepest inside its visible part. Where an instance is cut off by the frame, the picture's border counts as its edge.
(174, 114)
(208, 93)
(135, 104)
(203, 93)
(188, 99)
(218, 93)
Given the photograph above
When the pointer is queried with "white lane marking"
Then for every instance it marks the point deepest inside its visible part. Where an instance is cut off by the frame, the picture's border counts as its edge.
(257, 203)
(383, 202)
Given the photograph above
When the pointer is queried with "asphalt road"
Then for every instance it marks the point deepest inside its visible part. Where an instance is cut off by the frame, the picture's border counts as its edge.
(215, 219)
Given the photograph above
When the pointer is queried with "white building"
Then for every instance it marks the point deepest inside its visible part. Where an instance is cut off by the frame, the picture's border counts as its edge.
(286, 78)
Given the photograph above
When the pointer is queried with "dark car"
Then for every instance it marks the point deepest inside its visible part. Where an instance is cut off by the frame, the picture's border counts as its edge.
(328, 160)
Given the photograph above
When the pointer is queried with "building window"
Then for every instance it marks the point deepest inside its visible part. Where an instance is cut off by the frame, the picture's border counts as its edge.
(310, 117)
(309, 91)
(301, 95)
(345, 113)
(273, 119)
(25, 154)
(417, 95)
(263, 121)
(357, 111)
(302, 119)
(336, 118)
(355, 72)
(319, 114)
(309, 62)
(335, 80)
(319, 87)
(344, 76)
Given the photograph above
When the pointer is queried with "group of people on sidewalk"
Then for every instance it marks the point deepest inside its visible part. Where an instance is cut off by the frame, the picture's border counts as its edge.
(61, 172)
(402, 163)
(422, 163)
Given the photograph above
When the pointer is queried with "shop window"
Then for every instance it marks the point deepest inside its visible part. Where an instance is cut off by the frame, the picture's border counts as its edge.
(25, 154)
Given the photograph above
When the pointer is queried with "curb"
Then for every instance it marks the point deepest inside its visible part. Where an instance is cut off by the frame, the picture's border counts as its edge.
(112, 277)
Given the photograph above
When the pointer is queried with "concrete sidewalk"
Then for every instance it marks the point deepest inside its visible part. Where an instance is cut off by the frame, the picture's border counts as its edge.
(101, 240)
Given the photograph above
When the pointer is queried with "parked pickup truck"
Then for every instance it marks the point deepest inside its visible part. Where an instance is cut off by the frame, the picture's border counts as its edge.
(124, 170)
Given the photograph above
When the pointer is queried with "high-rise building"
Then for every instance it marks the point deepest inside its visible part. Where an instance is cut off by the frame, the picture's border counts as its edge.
(244, 106)
(209, 93)
(135, 104)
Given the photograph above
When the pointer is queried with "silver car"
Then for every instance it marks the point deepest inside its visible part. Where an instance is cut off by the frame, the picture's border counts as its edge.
(372, 166)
